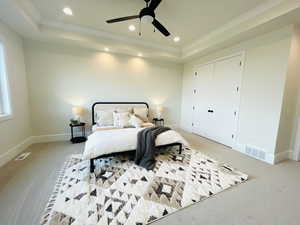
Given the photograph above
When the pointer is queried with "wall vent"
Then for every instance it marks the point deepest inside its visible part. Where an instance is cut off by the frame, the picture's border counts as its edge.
(255, 152)
(22, 156)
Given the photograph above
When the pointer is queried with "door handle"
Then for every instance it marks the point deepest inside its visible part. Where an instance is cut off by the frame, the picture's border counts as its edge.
(210, 111)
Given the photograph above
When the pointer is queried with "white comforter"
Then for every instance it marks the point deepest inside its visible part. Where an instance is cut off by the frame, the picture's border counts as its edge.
(104, 142)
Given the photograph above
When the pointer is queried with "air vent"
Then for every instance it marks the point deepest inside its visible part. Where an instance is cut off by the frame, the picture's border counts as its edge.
(255, 152)
(23, 156)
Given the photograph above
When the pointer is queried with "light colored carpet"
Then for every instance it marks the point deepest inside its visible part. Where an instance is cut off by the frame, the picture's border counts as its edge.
(119, 192)
(270, 196)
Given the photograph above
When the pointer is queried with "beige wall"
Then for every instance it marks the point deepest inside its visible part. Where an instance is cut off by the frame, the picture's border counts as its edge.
(289, 132)
(295, 140)
(61, 76)
(16, 130)
(264, 76)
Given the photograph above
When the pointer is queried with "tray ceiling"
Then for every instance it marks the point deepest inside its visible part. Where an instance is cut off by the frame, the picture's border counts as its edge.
(203, 25)
(188, 19)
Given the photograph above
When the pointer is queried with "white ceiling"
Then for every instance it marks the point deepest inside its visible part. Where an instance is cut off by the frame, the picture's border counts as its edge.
(203, 25)
(189, 19)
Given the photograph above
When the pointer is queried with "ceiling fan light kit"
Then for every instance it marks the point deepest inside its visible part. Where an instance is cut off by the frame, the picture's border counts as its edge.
(147, 19)
(146, 15)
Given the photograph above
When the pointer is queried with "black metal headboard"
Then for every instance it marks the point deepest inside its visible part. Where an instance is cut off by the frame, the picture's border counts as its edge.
(114, 103)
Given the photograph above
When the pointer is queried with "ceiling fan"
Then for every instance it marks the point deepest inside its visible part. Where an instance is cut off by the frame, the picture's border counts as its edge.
(146, 15)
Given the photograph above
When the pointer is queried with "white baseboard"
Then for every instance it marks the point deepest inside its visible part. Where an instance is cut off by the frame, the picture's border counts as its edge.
(50, 138)
(269, 158)
(295, 155)
(54, 137)
(13, 152)
(16, 150)
(283, 156)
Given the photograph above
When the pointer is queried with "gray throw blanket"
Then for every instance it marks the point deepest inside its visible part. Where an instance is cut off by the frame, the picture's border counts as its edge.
(145, 149)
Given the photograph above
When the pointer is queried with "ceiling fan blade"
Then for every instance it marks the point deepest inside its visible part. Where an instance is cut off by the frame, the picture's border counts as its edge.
(122, 19)
(160, 27)
(154, 3)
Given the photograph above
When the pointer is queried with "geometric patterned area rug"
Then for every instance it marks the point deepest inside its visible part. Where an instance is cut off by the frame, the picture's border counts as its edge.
(119, 192)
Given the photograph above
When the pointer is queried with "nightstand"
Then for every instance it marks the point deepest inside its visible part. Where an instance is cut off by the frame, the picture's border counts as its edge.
(159, 122)
(78, 139)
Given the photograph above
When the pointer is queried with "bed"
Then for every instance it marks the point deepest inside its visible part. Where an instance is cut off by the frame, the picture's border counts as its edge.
(106, 141)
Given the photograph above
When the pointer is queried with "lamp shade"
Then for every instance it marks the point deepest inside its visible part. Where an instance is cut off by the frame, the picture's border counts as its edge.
(78, 110)
(159, 110)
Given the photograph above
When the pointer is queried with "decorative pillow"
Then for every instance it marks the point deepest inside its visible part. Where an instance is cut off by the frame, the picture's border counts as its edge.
(104, 118)
(124, 109)
(142, 113)
(146, 125)
(135, 121)
(121, 119)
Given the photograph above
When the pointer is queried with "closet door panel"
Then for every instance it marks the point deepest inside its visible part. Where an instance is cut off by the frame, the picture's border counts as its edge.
(202, 100)
(226, 79)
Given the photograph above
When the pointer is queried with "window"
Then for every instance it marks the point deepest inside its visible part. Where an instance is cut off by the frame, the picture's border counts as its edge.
(5, 108)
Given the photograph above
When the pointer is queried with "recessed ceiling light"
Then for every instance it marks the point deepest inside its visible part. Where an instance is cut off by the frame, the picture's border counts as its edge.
(176, 39)
(106, 49)
(140, 54)
(131, 28)
(68, 11)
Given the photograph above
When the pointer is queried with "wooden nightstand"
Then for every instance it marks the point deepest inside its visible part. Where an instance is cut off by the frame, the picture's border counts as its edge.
(78, 139)
(159, 122)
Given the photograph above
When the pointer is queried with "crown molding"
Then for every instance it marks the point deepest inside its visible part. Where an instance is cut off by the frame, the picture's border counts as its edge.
(30, 10)
(84, 30)
(261, 15)
(70, 39)
(26, 20)
(21, 16)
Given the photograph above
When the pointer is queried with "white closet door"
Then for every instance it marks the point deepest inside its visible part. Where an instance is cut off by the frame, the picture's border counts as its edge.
(202, 120)
(225, 99)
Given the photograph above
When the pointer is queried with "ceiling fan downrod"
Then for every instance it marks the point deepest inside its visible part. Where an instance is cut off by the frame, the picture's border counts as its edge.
(146, 15)
(147, 2)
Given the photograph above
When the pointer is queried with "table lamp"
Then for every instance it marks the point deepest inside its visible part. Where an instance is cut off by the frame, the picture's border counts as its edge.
(159, 110)
(78, 111)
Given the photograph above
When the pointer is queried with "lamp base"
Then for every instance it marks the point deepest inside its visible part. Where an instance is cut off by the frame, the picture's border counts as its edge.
(158, 116)
(76, 140)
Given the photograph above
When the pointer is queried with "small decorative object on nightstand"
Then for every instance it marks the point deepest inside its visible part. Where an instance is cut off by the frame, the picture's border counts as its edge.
(78, 139)
(159, 122)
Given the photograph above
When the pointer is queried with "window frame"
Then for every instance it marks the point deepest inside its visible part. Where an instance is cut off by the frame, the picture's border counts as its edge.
(5, 95)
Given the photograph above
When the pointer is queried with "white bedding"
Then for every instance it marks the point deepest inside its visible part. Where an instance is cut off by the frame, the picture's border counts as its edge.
(98, 128)
(104, 142)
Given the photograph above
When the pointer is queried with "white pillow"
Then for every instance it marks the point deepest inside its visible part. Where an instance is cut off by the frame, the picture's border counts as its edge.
(124, 109)
(135, 121)
(121, 119)
(104, 118)
(142, 113)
